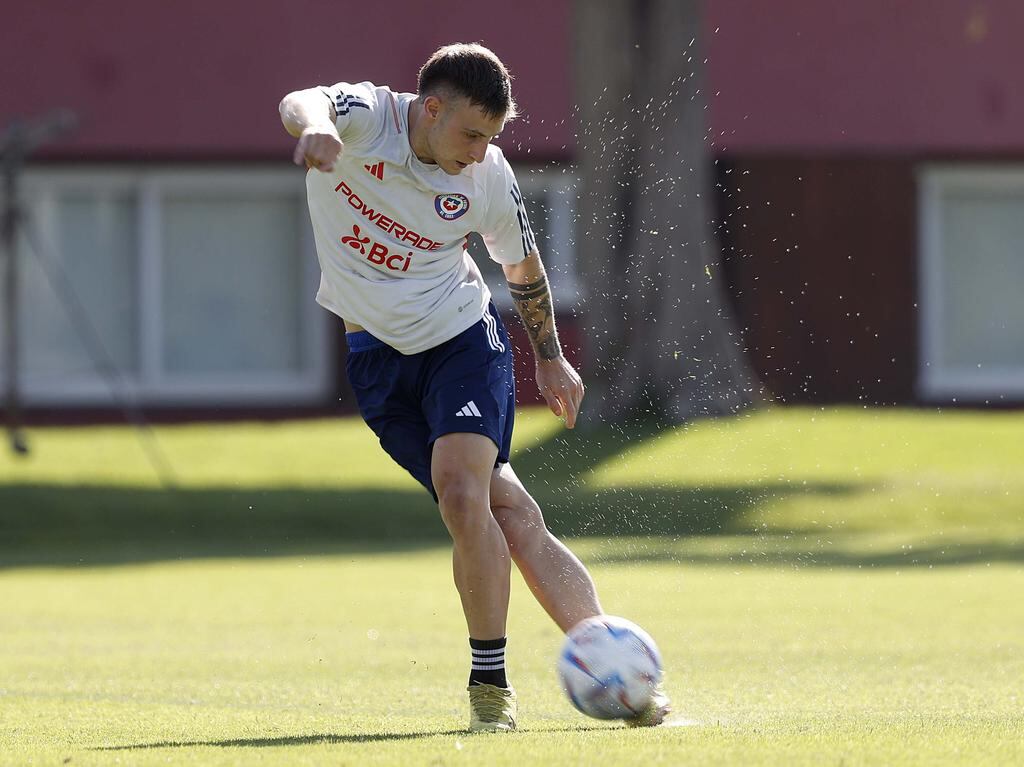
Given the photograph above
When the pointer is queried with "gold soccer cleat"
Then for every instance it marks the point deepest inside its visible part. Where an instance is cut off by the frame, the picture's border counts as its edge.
(492, 709)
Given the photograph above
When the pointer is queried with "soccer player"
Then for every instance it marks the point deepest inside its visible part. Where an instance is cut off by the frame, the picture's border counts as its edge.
(396, 183)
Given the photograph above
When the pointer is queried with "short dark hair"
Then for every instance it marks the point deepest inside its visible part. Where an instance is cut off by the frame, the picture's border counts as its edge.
(472, 71)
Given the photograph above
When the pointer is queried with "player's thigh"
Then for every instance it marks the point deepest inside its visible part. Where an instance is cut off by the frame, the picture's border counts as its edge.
(461, 466)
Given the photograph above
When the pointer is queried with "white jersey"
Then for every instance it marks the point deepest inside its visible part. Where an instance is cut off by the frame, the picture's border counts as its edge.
(391, 230)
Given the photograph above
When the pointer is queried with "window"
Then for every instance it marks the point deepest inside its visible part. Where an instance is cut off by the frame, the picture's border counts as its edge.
(971, 273)
(550, 197)
(199, 283)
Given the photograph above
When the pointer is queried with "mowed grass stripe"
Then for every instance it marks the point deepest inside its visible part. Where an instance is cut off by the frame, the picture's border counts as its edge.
(360, 659)
(828, 587)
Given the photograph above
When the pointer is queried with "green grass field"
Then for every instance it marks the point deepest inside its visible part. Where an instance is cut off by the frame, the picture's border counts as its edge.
(827, 586)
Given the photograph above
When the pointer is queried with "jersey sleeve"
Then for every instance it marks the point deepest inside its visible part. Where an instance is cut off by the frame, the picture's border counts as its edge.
(356, 106)
(507, 233)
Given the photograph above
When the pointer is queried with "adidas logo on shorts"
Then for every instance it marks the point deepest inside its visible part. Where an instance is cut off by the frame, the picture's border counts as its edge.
(470, 409)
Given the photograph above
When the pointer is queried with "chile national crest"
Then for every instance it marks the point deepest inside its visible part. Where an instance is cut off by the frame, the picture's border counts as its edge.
(451, 206)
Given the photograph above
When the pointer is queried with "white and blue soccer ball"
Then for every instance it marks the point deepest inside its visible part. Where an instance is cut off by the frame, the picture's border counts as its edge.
(609, 667)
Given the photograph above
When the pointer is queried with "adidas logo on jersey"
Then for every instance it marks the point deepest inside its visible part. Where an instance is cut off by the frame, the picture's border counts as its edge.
(376, 170)
(470, 409)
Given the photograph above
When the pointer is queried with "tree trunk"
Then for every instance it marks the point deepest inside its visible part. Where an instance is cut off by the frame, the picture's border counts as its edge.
(660, 337)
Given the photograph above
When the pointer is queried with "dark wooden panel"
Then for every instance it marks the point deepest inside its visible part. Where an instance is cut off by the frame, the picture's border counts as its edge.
(821, 258)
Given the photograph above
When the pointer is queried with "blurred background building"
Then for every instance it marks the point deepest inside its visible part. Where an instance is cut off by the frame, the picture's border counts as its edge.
(870, 191)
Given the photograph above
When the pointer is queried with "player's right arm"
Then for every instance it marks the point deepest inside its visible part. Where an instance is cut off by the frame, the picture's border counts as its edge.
(311, 118)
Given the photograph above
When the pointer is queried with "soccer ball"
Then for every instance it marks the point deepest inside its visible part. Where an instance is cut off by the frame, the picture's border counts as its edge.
(609, 667)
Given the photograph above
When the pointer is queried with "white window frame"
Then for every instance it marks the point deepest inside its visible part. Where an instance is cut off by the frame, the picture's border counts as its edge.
(151, 385)
(936, 381)
(557, 251)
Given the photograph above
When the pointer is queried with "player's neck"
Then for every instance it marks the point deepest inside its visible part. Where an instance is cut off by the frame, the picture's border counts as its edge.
(418, 134)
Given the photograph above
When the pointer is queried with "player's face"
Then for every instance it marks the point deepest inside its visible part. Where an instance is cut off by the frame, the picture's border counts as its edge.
(460, 135)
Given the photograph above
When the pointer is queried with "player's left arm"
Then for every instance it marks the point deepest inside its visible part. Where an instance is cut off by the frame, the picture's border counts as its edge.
(559, 383)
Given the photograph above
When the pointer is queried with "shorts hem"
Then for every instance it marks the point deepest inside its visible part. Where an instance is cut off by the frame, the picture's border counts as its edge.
(502, 457)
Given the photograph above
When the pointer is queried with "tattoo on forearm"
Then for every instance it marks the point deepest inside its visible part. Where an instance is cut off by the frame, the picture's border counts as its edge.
(533, 301)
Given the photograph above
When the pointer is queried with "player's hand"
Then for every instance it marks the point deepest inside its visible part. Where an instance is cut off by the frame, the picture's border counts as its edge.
(561, 387)
(319, 147)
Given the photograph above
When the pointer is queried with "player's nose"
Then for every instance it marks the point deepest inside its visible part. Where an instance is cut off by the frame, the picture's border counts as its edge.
(477, 151)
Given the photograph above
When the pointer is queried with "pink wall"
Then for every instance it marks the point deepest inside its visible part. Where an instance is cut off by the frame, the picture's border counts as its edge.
(193, 78)
(190, 79)
(889, 75)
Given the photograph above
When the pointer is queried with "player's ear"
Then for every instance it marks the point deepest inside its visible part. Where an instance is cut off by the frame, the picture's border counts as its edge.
(432, 107)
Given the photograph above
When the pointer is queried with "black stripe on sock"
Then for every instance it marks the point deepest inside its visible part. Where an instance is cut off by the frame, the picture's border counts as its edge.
(493, 676)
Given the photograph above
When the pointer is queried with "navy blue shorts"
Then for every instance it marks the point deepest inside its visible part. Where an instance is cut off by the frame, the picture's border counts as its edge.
(465, 384)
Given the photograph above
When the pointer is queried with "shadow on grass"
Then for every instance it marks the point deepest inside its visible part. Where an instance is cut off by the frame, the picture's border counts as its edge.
(294, 740)
(51, 525)
(55, 525)
(328, 739)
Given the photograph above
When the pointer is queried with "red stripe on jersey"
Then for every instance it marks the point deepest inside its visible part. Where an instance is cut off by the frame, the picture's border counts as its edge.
(394, 111)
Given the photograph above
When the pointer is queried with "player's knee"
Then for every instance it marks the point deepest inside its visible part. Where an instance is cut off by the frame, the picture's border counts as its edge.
(520, 520)
(463, 506)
